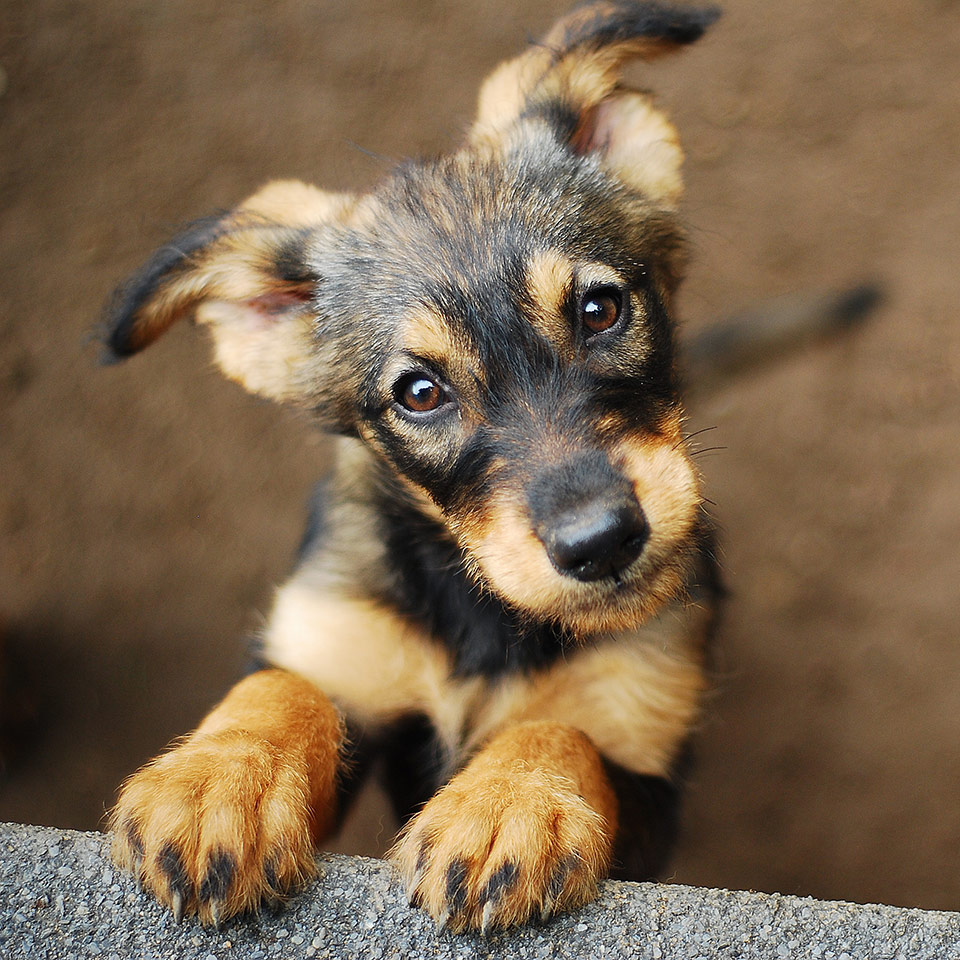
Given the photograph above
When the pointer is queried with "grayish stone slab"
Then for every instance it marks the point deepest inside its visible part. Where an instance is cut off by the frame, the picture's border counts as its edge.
(60, 897)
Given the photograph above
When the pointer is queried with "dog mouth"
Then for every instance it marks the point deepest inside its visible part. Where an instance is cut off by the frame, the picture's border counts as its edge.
(608, 593)
(622, 598)
(599, 542)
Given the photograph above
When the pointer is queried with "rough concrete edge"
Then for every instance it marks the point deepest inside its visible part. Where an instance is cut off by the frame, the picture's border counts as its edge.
(61, 897)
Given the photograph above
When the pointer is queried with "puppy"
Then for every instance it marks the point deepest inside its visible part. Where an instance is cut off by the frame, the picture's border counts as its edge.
(506, 587)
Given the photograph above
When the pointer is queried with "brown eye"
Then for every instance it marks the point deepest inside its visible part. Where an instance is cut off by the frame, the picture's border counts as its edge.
(419, 394)
(600, 309)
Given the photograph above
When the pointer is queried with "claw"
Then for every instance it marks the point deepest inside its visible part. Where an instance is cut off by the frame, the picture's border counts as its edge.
(176, 905)
(486, 918)
(547, 909)
(215, 914)
(413, 887)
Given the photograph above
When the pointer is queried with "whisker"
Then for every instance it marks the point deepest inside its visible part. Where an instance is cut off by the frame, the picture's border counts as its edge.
(697, 453)
(696, 433)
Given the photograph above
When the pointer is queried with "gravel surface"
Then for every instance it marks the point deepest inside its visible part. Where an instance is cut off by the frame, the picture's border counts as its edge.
(61, 897)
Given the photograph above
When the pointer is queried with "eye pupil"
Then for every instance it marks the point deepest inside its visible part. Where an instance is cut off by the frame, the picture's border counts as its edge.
(600, 310)
(420, 394)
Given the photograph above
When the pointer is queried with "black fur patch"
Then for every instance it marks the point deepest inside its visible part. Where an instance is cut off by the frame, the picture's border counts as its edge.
(649, 813)
(171, 864)
(625, 21)
(457, 886)
(119, 319)
(562, 117)
(484, 636)
(415, 764)
(559, 879)
(221, 868)
(503, 878)
(136, 840)
(290, 260)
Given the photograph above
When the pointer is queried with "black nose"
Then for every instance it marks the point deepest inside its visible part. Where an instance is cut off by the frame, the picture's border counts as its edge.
(597, 540)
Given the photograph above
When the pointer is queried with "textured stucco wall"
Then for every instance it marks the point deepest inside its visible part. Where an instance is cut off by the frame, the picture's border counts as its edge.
(60, 897)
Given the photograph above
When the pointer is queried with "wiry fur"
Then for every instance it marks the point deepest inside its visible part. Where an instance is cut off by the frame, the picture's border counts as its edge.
(507, 582)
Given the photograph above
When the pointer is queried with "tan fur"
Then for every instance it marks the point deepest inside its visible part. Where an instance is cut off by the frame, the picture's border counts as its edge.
(635, 140)
(667, 487)
(549, 276)
(580, 78)
(504, 94)
(427, 335)
(261, 327)
(640, 145)
(514, 562)
(634, 695)
(254, 782)
(297, 204)
(267, 356)
(373, 663)
(536, 801)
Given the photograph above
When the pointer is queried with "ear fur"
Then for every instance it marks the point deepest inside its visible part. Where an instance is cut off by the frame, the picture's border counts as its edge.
(572, 81)
(244, 275)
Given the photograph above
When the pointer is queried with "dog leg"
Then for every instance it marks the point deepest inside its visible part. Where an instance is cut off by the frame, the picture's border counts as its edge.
(524, 830)
(230, 817)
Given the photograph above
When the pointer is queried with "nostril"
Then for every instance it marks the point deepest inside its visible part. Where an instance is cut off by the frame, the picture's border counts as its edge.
(633, 545)
(634, 533)
(598, 540)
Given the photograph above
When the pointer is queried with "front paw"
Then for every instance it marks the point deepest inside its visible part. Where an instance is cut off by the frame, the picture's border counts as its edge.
(219, 825)
(493, 849)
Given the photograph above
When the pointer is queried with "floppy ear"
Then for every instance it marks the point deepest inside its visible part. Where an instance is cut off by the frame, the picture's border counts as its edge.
(571, 81)
(244, 274)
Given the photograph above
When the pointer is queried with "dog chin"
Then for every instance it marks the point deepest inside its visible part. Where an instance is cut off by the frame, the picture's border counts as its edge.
(620, 606)
(609, 605)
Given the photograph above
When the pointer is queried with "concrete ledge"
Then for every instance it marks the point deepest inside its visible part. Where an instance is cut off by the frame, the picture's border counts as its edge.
(60, 897)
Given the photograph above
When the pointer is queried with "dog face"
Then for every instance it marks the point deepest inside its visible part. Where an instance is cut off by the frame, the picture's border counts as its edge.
(528, 387)
(494, 326)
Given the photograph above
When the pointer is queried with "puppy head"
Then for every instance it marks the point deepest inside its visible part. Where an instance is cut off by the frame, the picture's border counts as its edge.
(494, 325)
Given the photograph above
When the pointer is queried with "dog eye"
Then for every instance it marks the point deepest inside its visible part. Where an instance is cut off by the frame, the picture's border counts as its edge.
(600, 309)
(417, 393)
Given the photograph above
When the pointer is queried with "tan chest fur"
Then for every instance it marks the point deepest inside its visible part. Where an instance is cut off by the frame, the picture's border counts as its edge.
(635, 695)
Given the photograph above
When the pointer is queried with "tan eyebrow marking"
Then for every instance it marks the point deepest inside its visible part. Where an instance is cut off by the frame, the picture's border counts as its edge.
(549, 278)
(427, 334)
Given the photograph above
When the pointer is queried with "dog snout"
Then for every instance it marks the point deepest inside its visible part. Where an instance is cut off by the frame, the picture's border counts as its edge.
(598, 540)
(587, 518)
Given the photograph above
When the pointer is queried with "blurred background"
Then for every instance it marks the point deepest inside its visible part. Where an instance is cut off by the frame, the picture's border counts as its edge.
(147, 510)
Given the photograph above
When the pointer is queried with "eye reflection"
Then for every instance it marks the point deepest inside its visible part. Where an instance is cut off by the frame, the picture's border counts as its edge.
(600, 309)
(417, 393)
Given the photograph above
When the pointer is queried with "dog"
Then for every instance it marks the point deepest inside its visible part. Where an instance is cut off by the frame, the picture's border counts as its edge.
(507, 586)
